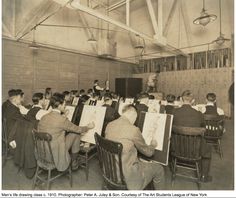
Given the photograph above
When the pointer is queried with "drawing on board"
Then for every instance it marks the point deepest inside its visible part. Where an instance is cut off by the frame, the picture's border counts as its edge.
(154, 128)
(92, 114)
(71, 111)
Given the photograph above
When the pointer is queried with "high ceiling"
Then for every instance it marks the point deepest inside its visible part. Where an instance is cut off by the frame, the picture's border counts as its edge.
(164, 27)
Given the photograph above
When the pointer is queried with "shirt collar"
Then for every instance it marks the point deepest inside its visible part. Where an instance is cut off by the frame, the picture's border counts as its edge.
(56, 110)
(37, 105)
(210, 104)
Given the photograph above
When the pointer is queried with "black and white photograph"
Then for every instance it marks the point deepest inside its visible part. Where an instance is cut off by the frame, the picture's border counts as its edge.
(123, 96)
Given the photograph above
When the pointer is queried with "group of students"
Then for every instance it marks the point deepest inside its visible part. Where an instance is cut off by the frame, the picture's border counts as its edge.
(51, 118)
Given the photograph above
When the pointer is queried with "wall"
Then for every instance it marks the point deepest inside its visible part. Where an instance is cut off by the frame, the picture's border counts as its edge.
(200, 82)
(35, 70)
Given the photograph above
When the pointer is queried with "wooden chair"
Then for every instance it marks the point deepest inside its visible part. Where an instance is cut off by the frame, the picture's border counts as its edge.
(186, 152)
(45, 161)
(109, 154)
(86, 154)
(5, 142)
(214, 131)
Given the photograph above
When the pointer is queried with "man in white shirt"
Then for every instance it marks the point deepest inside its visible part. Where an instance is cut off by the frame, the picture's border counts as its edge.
(96, 88)
(37, 111)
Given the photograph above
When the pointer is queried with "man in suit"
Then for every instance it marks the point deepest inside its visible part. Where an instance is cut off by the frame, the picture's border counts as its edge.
(211, 107)
(186, 116)
(169, 108)
(111, 114)
(12, 114)
(56, 124)
(36, 112)
(141, 105)
(11, 94)
(137, 174)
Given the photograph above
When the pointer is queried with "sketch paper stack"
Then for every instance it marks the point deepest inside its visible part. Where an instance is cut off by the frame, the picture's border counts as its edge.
(92, 114)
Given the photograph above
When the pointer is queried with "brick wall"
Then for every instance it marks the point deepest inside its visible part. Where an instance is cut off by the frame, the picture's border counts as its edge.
(33, 71)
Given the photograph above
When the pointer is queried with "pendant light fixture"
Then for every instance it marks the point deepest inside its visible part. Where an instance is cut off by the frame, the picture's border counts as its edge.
(220, 39)
(92, 40)
(33, 45)
(204, 18)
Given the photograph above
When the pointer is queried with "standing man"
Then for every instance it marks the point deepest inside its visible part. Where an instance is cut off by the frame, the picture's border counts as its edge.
(96, 88)
(137, 174)
(152, 82)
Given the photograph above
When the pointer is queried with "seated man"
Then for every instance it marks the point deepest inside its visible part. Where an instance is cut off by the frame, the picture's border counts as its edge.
(137, 174)
(186, 116)
(67, 98)
(211, 107)
(111, 114)
(81, 92)
(169, 108)
(90, 93)
(56, 124)
(142, 105)
(37, 111)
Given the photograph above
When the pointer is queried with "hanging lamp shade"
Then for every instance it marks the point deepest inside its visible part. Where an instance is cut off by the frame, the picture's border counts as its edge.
(220, 39)
(33, 45)
(92, 40)
(204, 18)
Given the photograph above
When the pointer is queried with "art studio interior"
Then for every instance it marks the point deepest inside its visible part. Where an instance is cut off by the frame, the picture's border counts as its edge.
(118, 95)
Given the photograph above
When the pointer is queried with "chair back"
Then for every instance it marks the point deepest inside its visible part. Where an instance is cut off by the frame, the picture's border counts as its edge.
(109, 153)
(186, 143)
(43, 151)
(214, 126)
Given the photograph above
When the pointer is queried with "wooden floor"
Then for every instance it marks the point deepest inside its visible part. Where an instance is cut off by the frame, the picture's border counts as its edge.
(222, 171)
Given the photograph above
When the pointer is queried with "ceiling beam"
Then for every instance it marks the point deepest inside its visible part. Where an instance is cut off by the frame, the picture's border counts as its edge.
(114, 22)
(36, 21)
(153, 16)
(184, 12)
(33, 17)
(128, 12)
(170, 18)
(106, 18)
(6, 31)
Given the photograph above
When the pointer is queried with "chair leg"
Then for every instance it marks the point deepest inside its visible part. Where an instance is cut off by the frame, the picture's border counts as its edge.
(86, 166)
(173, 172)
(220, 149)
(35, 178)
(48, 179)
(198, 176)
(70, 176)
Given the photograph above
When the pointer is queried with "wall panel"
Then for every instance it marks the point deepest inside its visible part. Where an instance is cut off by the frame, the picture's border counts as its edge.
(35, 70)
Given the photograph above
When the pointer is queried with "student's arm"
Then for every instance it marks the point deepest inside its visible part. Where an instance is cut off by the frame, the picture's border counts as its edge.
(141, 146)
(69, 126)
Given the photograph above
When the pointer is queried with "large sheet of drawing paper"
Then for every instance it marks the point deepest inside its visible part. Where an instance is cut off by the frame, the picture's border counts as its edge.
(154, 128)
(158, 127)
(92, 114)
(75, 101)
(71, 111)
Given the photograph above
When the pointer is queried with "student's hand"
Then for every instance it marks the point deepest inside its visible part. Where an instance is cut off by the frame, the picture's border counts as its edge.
(91, 125)
(13, 144)
(154, 143)
(66, 112)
